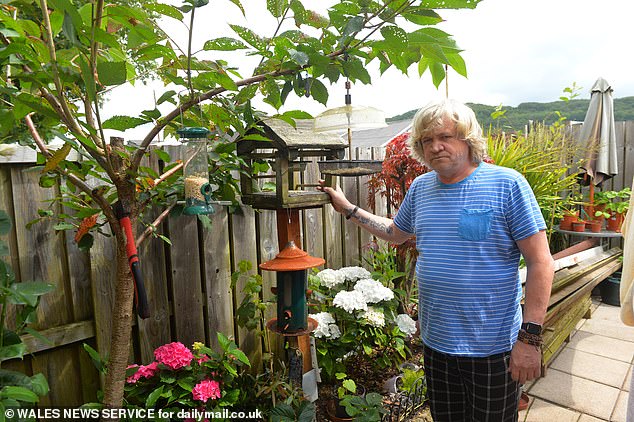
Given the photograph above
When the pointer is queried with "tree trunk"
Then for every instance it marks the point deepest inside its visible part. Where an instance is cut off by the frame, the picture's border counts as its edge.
(121, 329)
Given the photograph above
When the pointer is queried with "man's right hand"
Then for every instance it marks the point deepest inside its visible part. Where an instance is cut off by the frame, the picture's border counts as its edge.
(338, 199)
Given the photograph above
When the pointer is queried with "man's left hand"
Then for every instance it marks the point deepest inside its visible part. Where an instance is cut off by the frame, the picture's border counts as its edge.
(525, 362)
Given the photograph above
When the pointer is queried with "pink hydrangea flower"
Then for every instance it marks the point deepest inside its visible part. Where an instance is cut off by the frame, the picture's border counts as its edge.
(203, 359)
(144, 371)
(206, 389)
(173, 355)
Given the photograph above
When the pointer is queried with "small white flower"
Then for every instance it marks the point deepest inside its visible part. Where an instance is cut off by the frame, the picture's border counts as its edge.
(330, 278)
(375, 317)
(373, 291)
(326, 326)
(354, 273)
(406, 324)
(350, 301)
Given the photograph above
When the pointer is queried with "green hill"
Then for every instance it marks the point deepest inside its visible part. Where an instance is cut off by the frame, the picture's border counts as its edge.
(516, 117)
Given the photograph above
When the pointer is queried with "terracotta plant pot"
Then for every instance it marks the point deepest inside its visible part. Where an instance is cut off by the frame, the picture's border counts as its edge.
(579, 226)
(594, 226)
(615, 222)
(565, 225)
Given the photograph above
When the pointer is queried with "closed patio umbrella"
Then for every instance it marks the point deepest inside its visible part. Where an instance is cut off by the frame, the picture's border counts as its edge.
(599, 135)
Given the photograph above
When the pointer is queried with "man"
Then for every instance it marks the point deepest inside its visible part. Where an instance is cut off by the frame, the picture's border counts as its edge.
(472, 220)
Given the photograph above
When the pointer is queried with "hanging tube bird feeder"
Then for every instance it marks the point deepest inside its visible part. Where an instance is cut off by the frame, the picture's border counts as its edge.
(196, 171)
(292, 283)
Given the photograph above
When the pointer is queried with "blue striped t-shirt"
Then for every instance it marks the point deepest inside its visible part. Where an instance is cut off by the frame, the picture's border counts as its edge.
(467, 268)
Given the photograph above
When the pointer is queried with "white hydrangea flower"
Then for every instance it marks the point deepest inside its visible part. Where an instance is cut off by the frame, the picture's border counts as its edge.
(373, 291)
(330, 278)
(375, 317)
(350, 301)
(326, 326)
(354, 273)
(406, 324)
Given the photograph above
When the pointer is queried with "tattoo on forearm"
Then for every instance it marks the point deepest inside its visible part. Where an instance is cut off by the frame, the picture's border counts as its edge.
(376, 225)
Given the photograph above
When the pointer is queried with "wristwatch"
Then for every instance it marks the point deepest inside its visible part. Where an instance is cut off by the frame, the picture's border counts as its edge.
(532, 328)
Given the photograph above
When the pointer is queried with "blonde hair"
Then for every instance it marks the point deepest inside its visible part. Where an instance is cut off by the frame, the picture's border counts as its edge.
(432, 116)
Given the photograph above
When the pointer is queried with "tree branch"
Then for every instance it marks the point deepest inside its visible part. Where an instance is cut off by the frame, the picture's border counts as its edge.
(152, 227)
(83, 186)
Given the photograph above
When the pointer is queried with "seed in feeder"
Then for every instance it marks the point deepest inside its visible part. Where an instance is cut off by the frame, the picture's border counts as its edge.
(193, 185)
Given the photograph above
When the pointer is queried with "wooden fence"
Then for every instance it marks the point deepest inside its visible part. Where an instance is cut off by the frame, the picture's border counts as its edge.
(188, 282)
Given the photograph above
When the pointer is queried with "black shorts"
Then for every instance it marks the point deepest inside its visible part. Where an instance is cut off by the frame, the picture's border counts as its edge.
(466, 389)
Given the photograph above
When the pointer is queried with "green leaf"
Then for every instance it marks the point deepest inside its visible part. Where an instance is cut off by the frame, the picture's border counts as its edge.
(239, 354)
(162, 155)
(38, 336)
(374, 399)
(437, 73)
(423, 17)
(167, 96)
(39, 385)
(299, 57)
(123, 122)
(318, 91)
(112, 73)
(457, 63)
(164, 9)
(395, 37)
(13, 351)
(153, 397)
(353, 26)
(58, 156)
(297, 114)
(223, 341)
(225, 81)
(99, 363)
(349, 385)
(18, 393)
(89, 78)
(276, 7)
(63, 226)
(5, 223)
(250, 37)
(237, 3)
(224, 44)
(282, 410)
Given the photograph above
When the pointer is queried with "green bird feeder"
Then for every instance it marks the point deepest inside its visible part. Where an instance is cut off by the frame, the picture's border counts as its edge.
(292, 282)
(196, 170)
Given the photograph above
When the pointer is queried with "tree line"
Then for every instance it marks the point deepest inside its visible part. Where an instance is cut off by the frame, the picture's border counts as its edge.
(515, 118)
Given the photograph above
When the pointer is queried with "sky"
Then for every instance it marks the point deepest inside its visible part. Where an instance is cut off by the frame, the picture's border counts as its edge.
(516, 51)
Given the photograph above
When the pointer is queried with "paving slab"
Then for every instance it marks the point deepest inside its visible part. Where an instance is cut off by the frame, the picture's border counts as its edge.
(628, 380)
(590, 366)
(620, 410)
(576, 393)
(588, 418)
(609, 328)
(540, 411)
(607, 312)
(603, 346)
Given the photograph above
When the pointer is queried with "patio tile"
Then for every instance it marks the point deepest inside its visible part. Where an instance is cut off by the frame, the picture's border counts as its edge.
(590, 366)
(588, 418)
(576, 393)
(608, 312)
(620, 410)
(603, 346)
(609, 328)
(628, 381)
(540, 411)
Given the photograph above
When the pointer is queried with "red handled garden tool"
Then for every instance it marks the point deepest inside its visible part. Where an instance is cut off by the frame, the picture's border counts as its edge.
(140, 296)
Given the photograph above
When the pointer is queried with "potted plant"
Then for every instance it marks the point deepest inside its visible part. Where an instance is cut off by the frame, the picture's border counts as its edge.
(618, 207)
(569, 216)
(579, 226)
(594, 225)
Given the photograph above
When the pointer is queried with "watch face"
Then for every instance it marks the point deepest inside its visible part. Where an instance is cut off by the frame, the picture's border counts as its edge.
(532, 328)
